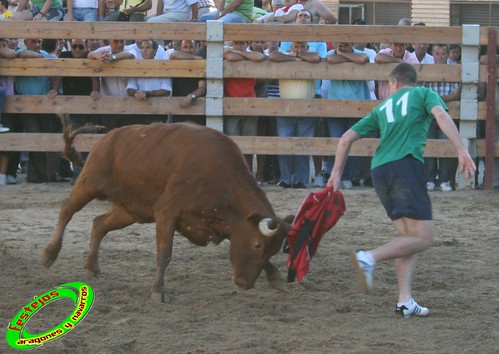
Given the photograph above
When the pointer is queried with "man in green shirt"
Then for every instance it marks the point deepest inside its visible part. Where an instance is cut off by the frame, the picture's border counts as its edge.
(397, 171)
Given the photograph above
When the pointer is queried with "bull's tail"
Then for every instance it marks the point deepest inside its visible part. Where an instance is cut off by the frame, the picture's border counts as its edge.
(69, 136)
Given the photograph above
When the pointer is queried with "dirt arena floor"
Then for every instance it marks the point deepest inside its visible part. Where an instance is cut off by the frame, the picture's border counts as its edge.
(458, 279)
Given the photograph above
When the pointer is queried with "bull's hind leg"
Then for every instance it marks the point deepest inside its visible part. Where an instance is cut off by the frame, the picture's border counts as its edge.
(164, 242)
(116, 218)
(69, 206)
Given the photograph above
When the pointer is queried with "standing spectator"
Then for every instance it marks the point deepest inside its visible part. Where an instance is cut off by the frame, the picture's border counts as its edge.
(241, 87)
(41, 10)
(346, 90)
(303, 127)
(143, 87)
(136, 9)
(454, 54)
(175, 11)
(397, 169)
(6, 120)
(395, 53)
(41, 165)
(113, 86)
(84, 10)
(4, 10)
(318, 10)
(444, 168)
(76, 86)
(190, 88)
(305, 17)
(231, 11)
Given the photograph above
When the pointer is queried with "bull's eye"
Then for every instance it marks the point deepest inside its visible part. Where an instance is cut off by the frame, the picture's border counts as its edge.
(258, 245)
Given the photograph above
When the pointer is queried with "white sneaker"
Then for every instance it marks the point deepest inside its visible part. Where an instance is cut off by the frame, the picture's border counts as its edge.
(364, 269)
(11, 179)
(430, 186)
(4, 129)
(346, 184)
(445, 187)
(413, 310)
(3, 180)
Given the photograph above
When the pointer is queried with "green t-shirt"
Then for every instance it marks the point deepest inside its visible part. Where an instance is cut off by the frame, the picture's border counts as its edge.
(402, 120)
(56, 4)
(245, 9)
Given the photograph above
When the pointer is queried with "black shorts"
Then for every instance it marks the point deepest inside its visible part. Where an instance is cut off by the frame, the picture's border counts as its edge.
(401, 188)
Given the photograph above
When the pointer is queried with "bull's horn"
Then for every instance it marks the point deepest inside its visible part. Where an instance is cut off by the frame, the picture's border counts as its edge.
(265, 226)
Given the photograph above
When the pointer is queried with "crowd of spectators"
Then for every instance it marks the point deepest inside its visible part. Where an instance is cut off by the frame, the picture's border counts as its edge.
(286, 171)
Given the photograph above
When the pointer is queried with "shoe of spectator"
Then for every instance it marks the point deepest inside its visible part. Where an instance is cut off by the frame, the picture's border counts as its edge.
(430, 186)
(346, 184)
(3, 180)
(4, 129)
(11, 179)
(283, 184)
(299, 185)
(445, 187)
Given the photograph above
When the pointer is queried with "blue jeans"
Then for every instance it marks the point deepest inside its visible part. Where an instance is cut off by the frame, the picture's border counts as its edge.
(87, 14)
(231, 17)
(336, 128)
(2, 99)
(295, 127)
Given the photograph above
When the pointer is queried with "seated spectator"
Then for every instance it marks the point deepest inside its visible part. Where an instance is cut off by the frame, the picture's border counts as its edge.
(136, 9)
(41, 10)
(83, 10)
(143, 87)
(303, 127)
(231, 11)
(286, 14)
(175, 11)
(4, 10)
(190, 88)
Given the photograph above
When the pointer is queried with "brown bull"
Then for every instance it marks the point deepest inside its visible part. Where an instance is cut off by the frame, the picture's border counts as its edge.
(185, 178)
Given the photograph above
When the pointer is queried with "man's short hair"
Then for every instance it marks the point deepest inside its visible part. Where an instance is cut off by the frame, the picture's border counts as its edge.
(5, 3)
(359, 21)
(405, 74)
(153, 42)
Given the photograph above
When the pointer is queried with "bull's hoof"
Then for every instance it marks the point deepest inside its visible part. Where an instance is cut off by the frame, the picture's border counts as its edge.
(159, 297)
(279, 285)
(93, 270)
(49, 255)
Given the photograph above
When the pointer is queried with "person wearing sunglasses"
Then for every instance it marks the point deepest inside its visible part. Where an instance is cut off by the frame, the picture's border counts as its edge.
(75, 86)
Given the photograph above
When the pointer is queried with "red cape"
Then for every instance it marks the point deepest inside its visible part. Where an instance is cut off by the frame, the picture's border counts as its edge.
(318, 213)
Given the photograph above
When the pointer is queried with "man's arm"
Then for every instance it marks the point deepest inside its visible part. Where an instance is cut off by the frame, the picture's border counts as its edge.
(466, 165)
(310, 57)
(194, 12)
(343, 57)
(386, 59)
(279, 57)
(453, 96)
(325, 13)
(341, 157)
(234, 5)
(29, 54)
(238, 55)
(7, 53)
(178, 55)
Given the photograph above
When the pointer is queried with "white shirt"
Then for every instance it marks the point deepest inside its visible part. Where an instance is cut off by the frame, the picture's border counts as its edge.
(161, 53)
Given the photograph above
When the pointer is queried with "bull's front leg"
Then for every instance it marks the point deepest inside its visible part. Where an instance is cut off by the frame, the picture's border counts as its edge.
(274, 277)
(164, 244)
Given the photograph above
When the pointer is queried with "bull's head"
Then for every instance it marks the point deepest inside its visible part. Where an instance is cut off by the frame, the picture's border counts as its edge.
(253, 242)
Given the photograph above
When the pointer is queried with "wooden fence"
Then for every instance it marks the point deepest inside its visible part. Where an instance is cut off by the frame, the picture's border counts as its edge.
(470, 73)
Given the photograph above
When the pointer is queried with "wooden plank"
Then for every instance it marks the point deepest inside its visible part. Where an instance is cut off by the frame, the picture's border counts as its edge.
(89, 67)
(103, 30)
(232, 106)
(261, 32)
(249, 145)
(343, 33)
(105, 105)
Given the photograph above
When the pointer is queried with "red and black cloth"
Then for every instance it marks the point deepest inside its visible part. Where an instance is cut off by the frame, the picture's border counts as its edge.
(318, 213)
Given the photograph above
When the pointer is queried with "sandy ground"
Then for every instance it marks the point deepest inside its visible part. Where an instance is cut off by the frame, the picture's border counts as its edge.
(458, 279)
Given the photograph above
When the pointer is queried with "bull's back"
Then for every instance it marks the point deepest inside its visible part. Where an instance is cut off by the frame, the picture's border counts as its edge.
(136, 165)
